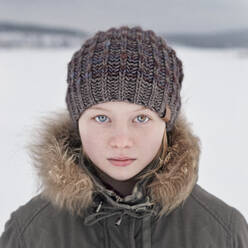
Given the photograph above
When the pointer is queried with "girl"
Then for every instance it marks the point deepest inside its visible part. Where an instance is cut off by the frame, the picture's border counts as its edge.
(120, 167)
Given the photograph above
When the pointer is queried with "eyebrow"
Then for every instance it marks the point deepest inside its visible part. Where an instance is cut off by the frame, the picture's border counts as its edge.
(99, 108)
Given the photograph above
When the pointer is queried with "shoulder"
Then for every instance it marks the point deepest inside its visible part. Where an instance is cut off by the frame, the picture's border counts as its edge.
(228, 219)
(19, 220)
(211, 206)
(204, 220)
(27, 220)
(27, 212)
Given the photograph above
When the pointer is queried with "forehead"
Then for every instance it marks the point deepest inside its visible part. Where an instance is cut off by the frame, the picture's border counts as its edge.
(114, 106)
(119, 108)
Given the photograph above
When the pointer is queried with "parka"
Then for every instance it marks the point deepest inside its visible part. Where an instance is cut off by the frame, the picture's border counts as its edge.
(73, 208)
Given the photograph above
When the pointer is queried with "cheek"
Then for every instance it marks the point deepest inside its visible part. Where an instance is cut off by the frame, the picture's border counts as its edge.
(92, 141)
(152, 141)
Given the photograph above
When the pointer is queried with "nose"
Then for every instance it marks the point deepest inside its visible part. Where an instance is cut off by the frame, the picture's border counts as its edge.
(121, 137)
(121, 141)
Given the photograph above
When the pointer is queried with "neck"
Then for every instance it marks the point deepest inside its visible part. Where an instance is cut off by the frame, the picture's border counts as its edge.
(122, 188)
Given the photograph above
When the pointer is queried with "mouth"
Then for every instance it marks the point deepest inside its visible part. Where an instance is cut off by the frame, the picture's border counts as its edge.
(120, 158)
(125, 162)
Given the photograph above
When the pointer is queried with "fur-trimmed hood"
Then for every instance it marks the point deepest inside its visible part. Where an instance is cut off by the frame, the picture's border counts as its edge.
(55, 151)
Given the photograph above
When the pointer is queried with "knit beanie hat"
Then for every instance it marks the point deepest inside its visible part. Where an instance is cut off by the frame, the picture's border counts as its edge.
(125, 64)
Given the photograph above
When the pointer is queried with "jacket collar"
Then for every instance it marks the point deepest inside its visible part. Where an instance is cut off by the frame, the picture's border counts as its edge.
(56, 148)
(107, 203)
(138, 192)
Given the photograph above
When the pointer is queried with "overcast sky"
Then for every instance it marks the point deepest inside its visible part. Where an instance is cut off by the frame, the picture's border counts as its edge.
(160, 15)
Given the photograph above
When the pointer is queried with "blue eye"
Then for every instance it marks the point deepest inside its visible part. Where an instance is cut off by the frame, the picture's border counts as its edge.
(102, 119)
(98, 116)
(144, 116)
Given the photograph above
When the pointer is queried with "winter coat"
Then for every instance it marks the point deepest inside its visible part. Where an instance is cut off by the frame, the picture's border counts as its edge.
(74, 209)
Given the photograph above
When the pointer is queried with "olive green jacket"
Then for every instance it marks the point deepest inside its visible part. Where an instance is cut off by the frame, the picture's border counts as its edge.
(74, 209)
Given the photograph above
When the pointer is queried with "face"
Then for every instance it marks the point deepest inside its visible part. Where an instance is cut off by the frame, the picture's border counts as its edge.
(121, 129)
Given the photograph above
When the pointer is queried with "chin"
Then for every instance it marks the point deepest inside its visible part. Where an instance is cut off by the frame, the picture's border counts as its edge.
(123, 178)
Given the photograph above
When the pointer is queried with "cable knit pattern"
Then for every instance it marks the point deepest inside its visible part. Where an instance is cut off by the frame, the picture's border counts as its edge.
(125, 64)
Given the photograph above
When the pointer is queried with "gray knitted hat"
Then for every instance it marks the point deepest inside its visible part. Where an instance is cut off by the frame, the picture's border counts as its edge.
(125, 64)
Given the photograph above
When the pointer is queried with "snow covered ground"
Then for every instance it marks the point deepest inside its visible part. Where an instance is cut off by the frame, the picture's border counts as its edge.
(214, 98)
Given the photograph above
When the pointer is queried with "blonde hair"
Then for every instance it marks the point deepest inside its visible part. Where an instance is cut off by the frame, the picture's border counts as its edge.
(158, 161)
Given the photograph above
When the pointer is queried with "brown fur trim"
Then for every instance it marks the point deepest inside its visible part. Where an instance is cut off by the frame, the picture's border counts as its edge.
(179, 174)
(55, 149)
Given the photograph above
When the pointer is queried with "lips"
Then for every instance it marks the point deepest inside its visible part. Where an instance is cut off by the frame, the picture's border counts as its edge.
(116, 162)
(121, 158)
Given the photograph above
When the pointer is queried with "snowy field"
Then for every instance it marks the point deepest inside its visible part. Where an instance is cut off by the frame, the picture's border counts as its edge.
(214, 98)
